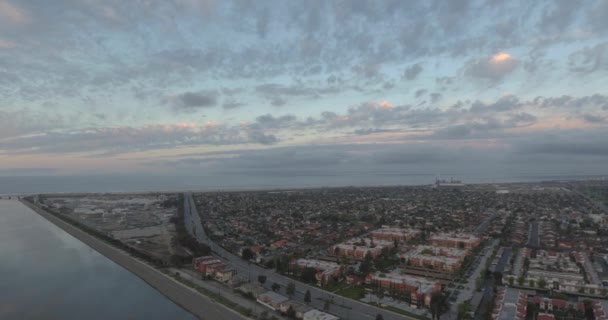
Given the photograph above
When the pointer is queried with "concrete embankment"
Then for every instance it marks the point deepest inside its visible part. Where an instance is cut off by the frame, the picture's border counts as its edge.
(187, 298)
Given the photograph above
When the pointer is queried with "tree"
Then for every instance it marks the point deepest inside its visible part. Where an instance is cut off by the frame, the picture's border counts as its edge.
(366, 265)
(532, 309)
(531, 283)
(326, 305)
(262, 279)
(309, 275)
(542, 283)
(438, 305)
(379, 317)
(307, 297)
(247, 254)
(463, 309)
(511, 280)
(291, 313)
(264, 315)
(520, 280)
(276, 287)
(291, 289)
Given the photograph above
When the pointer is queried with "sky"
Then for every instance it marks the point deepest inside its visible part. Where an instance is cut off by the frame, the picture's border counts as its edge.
(282, 87)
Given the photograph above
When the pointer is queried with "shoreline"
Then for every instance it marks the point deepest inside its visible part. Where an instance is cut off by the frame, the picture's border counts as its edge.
(210, 189)
(294, 188)
(197, 304)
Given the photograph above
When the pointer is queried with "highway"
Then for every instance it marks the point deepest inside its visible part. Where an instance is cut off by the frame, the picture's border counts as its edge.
(342, 307)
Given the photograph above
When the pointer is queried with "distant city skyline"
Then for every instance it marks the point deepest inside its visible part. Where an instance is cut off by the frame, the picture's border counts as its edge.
(276, 87)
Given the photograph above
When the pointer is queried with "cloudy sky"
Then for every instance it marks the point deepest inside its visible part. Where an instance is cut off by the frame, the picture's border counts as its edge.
(278, 87)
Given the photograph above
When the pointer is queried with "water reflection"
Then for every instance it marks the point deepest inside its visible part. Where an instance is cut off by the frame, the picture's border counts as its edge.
(46, 273)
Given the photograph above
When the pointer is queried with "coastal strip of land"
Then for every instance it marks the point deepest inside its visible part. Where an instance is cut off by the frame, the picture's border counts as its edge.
(187, 298)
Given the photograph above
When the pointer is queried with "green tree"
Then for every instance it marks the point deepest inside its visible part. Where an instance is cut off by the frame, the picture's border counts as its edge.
(291, 289)
(463, 309)
(307, 297)
(520, 280)
(262, 279)
(531, 283)
(542, 283)
(366, 265)
(379, 317)
(291, 313)
(326, 305)
(511, 280)
(532, 310)
(309, 275)
(276, 287)
(247, 254)
(438, 305)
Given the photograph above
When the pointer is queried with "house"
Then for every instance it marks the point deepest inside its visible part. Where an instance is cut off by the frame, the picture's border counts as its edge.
(395, 234)
(359, 248)
(279, 244)
(271, 299)
(299, 308)
(325, 270)
(457, 240)
(315, 314)
(421, 289)
(510, 304)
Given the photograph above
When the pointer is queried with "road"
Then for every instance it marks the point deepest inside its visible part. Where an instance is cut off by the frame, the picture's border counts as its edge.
(485, 224)
(533, 239)
(504, 259)
(599, 205)
(342, 307)
(590, 270)
(469, 288)
(186, 297)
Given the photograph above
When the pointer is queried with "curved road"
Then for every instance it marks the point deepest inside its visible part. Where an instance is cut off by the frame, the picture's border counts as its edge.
(344, 308)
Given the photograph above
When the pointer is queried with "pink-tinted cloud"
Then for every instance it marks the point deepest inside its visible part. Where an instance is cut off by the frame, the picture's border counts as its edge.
(12, 13)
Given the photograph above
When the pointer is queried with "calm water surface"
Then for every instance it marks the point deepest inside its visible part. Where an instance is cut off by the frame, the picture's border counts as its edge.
(46, 273)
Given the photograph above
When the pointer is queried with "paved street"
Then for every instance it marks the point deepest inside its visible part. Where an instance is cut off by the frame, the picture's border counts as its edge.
(533, 239)
(469, 287)
(342, 307)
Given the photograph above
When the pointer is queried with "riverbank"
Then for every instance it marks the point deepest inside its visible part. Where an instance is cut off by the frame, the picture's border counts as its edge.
(187, 298)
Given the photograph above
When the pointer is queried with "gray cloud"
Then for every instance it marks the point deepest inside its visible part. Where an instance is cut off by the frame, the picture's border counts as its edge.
(111, 141)
(412, 72)
(435, 97)
(589, 59)
(278, 101)
(568, 143)
(544, 153)
(419, 93)
(558, 15)
(493, 68)
(593, 118)
(190, 101)
(565, 101)
(232, 104)
(365, 132)
(597, 17)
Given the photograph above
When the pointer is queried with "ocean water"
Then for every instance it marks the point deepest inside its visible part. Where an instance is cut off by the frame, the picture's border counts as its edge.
(46, 273)
(234, 181)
